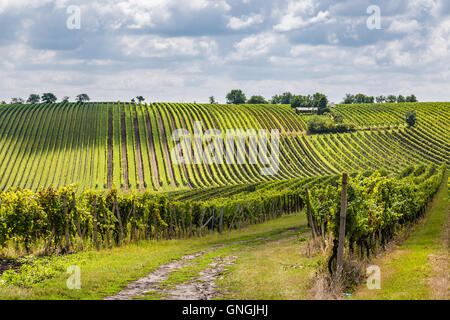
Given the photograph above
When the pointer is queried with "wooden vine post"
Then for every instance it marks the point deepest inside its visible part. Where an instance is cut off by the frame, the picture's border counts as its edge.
(119, 218)
(66, 227)
(221, 221)
(94, 209)
(77, 220)
(309, 213)
(342, 221)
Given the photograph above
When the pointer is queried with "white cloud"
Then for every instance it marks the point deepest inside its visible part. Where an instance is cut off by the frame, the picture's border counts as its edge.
(404, 26)
(245, 22)
(18, 4)
(253, 46)
(300, 14)
(149, 46)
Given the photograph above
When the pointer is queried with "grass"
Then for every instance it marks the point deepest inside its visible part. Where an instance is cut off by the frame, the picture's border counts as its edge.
(406, 271)
(279, 271)
(192, 270)
(107, 272)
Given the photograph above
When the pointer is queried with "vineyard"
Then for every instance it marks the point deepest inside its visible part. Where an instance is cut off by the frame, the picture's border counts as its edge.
(99, 146)
(76, 177)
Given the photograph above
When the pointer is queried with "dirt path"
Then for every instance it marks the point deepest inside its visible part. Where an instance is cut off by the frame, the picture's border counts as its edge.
(202, 287)
(5, 265)
(152, 150)
(137, 139)
(123, 131)
(152, 281)
(110, 147)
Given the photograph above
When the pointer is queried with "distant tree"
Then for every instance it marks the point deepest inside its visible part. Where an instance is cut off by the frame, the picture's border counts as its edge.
(285, 98)
(48, 98)
(369, 99)
(236, 97)
(391, 98)
(360, 98)
(349, 99)
(317, 97)
(411, 98)
(17, 101)
(82, 98)
(380, 99)
(212, 100)
(133, 100)
(3, 102)
(276, 99)
(401, 99)
(65, 99)
(302, 102)
(322, 106)
(34, 98)
(257, 100)
(140, 99)
(411, 118)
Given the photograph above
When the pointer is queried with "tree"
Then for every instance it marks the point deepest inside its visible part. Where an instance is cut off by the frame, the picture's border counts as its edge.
(3, 102)
(317, 97)
(302, 102)
(391, 98)
(401, 99)
(360, 98)
(133, 100)
(212, 100)
(369, 99)
(257, 100)
(276, 99)
(34, 98)
(285, 98)
(411, 98)
(380, 99)
(17, 101)
(236, 97)
(83, 98)
(411, 118)
(65, 99)
(140, 99)
(48, 98)
(349, 99)
(322, 106)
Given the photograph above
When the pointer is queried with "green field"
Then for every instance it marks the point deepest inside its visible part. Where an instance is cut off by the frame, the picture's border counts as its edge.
(100, 176)
(100, 145)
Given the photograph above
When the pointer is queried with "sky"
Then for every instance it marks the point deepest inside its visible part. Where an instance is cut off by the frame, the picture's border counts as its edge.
(186, 51)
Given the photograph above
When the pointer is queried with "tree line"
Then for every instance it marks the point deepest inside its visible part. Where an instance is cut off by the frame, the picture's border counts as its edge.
(48, 98)
(362, 98)
(316, 102)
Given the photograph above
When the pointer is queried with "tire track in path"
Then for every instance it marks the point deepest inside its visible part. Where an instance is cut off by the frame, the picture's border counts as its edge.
(201, 288)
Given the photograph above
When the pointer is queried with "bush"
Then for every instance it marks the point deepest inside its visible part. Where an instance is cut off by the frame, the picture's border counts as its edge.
(318, 124)
(411, 118)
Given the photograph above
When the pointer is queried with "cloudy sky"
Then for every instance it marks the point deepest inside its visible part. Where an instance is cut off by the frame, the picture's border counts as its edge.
(188, 50)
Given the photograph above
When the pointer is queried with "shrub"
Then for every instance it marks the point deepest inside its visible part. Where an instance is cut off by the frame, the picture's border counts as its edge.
(411, 118)
(321, 124)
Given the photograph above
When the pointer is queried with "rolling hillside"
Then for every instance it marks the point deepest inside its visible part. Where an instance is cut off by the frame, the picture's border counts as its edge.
(100, 145)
